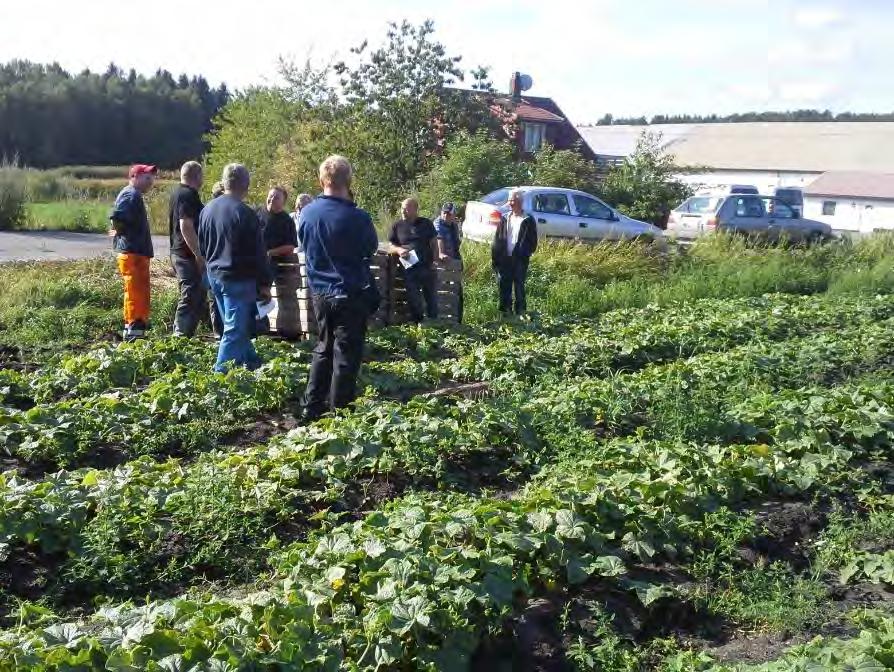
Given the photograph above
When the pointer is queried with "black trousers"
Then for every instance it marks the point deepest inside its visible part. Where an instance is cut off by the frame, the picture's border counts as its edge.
(422, 299)
(336, 358)
(512, 272)
(193, 304)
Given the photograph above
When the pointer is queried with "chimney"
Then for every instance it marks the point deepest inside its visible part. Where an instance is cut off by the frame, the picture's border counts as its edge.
(515, 86)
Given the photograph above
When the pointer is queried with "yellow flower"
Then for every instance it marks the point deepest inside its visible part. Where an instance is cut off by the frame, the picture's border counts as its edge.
(337, 584)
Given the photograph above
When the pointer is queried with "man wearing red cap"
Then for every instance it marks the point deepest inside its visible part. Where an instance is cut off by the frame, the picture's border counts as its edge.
(133, 243)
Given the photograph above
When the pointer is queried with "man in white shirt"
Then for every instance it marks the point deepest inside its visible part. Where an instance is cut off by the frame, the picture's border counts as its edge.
(514, 243)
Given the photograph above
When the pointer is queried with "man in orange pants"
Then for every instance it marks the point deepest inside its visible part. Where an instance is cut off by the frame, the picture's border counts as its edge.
(133, 243)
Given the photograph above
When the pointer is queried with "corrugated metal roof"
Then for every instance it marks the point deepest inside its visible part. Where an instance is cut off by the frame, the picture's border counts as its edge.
(789, 146)
(854, 184)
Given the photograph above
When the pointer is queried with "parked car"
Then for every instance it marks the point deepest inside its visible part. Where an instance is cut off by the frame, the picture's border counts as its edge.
(766, 217)
(763, 216)
(792, 197)
(742, 189)
(560, 213)
(689, 219)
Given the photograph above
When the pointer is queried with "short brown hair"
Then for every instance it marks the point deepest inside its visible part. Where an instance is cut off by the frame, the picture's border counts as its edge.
(282, 190)
(336, 171)
(190, 170)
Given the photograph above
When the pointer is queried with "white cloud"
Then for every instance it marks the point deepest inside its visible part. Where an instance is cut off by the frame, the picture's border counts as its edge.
(813, 18)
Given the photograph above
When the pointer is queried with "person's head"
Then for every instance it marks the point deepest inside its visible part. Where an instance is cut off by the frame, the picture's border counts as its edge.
(142, 177)
(302, 201)
(236, 180)
(276, 200)
(217, 189)
(335, 176)
(515, 201)
(448, 212)
(191, 174)
(410, 209)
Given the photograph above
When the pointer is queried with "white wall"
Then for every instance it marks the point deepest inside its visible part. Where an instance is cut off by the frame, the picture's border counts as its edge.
(852, 214)
(765, 181)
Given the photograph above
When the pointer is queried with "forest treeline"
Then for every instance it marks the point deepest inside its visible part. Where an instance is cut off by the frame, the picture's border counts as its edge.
(50, 117)
(744, 117)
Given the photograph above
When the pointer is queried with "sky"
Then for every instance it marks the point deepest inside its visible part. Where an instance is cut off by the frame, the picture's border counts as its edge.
(626, 57)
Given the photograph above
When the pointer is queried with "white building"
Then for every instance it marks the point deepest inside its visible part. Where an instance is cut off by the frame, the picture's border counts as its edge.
(853, 202)
(766, 155)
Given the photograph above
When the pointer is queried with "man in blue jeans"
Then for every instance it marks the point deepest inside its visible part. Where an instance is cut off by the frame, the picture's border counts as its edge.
(231, 241)
(338, 240)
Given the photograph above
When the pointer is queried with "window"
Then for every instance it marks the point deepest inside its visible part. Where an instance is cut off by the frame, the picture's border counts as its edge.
(534, 135)
(553, 204)
(829, 208)
(699, 205)
(749, 206)
(776, 208)
(590, 207)
(498, 197)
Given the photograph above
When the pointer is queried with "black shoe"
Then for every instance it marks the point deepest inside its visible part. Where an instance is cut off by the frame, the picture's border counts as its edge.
(134, 331)
(309, 415)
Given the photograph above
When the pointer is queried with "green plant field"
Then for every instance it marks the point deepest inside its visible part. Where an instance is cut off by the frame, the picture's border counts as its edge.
(675, 463)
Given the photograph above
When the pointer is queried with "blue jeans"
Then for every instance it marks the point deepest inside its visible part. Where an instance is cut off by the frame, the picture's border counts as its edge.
(235, 300)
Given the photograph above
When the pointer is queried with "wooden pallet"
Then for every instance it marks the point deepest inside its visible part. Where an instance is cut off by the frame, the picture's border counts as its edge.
(448, 279)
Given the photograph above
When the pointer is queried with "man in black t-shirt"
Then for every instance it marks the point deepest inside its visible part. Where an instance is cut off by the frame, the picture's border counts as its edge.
(183, 221)
(281, 239)
(415, 236)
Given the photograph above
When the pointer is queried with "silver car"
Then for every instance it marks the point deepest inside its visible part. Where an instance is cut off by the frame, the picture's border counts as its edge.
(690, 219)
(560, 213)
(766, 217)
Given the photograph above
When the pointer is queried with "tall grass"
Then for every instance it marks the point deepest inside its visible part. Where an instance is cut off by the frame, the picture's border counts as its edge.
(582, 279)
(12, 198)
(87, 216)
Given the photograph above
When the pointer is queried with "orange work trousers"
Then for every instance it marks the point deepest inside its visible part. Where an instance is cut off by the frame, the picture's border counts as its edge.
(134, 268)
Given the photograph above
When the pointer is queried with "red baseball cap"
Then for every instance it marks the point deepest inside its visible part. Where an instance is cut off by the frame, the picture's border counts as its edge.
(142, 169)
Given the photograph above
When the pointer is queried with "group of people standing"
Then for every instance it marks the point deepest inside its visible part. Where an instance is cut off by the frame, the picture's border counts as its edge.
(236, 253)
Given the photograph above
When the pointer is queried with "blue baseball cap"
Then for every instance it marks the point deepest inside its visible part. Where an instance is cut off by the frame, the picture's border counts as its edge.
(448, 207)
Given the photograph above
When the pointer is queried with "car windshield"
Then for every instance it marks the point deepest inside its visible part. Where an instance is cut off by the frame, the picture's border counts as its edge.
(699, 205)
(498, 197)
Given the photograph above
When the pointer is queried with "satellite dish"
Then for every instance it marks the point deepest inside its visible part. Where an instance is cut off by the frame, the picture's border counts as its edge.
(525, 82)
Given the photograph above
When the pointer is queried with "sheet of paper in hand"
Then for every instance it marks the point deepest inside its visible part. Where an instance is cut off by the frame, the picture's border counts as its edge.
(410, 260)
(264, 309)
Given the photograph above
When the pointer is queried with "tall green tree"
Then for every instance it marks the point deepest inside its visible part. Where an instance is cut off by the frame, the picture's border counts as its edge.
(645, 185)
(391, 110)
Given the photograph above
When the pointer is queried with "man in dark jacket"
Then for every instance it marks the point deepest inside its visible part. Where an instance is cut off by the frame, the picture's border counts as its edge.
(281, 240)
(338, 240)
(514, 243)
(231, 241)
(183, 225)
(133, 243)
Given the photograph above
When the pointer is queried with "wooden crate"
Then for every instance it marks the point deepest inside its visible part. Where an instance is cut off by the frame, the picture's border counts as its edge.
(394, 306)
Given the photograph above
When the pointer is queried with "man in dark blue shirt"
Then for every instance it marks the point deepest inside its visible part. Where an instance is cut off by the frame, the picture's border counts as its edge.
(133, 243)
(449, 240)
(339, 240)
(231, 241)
